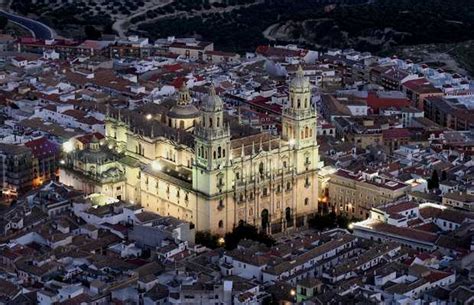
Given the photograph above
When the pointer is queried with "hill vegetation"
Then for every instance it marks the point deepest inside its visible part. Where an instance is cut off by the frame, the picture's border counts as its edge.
(241, 25)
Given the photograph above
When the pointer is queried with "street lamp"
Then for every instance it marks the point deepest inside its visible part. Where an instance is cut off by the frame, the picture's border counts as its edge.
(149, 116)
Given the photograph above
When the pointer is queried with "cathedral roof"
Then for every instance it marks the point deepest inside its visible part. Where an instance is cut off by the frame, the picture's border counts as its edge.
(137, 123)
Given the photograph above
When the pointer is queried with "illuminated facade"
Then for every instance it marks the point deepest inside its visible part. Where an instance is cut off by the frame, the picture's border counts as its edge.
(206, 168)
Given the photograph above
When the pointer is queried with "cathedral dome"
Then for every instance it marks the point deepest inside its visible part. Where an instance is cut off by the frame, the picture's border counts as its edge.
(184, 109)
(300, 82)
(212, 102)
(179, 111)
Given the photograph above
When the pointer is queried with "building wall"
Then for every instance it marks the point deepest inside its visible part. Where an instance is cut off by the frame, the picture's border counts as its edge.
(356, 198)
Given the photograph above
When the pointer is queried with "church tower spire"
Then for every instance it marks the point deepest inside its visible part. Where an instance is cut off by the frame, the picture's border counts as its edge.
(299, 123)
(184, 97)
(211, 134)
(299, 117)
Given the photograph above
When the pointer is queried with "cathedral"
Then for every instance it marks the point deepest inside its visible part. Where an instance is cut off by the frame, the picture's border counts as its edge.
(203, 166)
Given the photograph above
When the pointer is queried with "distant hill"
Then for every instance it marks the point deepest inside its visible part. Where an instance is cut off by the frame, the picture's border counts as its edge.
(241, 25)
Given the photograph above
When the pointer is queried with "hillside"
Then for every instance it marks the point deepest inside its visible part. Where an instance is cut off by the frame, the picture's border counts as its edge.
(241, 25)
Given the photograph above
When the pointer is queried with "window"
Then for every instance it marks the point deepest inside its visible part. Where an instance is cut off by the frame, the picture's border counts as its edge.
(303, 291)
(221, 224)
(306, 201)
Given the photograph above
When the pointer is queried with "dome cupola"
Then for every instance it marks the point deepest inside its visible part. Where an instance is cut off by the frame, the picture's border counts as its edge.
(212, 102)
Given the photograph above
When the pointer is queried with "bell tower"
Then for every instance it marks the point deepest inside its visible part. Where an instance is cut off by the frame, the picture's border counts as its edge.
(299, 122)
(212, 146)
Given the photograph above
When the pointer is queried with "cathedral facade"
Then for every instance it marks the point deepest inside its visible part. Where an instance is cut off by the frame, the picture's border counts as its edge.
(205, 167)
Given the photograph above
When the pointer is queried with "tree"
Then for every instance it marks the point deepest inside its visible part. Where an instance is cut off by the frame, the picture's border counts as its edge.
(433, 182)
(246, 231)
(323, 222)
(92, 33)
(207, 239)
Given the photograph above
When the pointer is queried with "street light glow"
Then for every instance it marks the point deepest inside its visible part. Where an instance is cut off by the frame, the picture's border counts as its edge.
(149, 117)
(221, 241)
(68, 147)
(156, 165)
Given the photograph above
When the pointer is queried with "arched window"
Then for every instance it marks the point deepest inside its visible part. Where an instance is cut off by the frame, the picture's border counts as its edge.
(306, 201)
(299, 103)
(288, 214)
(223, 153)
(214, 154)
(221, 224)
(219, 152)
(210, 122)
(260, 168)
(218, 121)
(306, 132)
